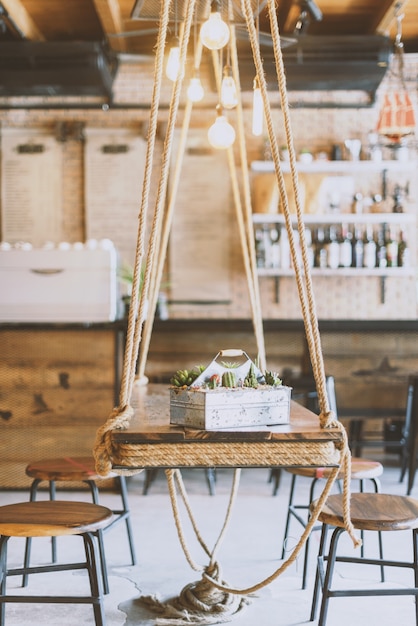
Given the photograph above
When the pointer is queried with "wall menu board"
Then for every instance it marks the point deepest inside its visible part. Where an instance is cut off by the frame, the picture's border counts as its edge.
(200, 232)
(31, 193)
(114, 171)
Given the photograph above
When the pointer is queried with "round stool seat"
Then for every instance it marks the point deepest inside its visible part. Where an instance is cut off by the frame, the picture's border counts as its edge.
(52, 518)
(360, 469)
(375, 511)
(77, 468)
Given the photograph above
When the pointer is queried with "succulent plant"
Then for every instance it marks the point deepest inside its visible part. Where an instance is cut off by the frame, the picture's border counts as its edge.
(214, 381)
(230, 364)
(251, 379)
(229, 379)
(185, 377)
(272, 378)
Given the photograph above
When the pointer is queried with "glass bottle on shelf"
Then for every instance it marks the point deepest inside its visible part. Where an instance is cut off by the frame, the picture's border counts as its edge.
(320, 249)
(369, 248)
(358, 248)
(391, 247)
(333, 249)
(381, 251)
(284, 250)
(309, 247)
(345, 247)
(274, 248)
(260, 251)
(404, 257)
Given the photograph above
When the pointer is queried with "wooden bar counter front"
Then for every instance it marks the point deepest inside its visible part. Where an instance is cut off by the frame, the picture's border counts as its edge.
(151, 441)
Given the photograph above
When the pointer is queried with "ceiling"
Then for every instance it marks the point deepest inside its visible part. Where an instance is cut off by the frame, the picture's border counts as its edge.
(62, 47)
(123, 24)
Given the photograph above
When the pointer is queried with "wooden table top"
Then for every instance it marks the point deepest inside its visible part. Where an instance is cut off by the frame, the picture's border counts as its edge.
(151, 424)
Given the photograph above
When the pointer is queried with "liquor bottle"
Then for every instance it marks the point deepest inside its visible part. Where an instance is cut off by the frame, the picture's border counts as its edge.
(260, 251)
(381, 252)
(284, 249)
(358, 248)
(333, 249)
(404, 255)
(369, 248)
(274, 248)
(391, 248)
(345, 247)
(320, 249)
(310, 252)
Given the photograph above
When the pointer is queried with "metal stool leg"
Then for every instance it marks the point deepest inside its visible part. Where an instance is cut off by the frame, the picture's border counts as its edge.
(33, 494)
(289, 513)
(329, 572)
(127, 514)
(3, 575)
(95, 497)
(93, 562)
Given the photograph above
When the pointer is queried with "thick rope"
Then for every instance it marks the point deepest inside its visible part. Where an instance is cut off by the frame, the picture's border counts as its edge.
(209, 600)
(136, 315)
(305, 290)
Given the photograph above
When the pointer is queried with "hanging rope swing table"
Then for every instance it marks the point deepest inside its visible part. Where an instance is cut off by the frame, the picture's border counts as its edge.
(137, 434)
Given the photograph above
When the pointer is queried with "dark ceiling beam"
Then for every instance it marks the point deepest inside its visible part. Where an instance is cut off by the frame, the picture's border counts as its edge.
(111, 20)
(21, 20)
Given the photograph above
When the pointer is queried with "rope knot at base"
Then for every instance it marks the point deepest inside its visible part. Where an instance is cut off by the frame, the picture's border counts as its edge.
(199, 602)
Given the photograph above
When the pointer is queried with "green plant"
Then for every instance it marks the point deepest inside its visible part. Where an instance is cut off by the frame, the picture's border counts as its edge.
(229, 379)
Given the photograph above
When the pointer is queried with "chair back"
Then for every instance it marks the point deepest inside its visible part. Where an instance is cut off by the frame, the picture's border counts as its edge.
(332, 399)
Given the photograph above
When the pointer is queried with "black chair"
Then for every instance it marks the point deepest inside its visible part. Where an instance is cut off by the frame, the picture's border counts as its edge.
(412, 430)
(361, 470)
(399, 434)
(369, 512)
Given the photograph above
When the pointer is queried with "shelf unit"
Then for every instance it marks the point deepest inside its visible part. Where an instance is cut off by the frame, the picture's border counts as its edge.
(338, 167)
(402, 219)
(405, 220)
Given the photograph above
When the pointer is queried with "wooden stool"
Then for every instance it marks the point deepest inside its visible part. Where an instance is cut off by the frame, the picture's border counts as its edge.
(361, 470)
(369, 511)
(54, 519)
(78, 469)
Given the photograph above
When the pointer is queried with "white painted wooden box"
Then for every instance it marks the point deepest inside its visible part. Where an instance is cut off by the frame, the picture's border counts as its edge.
(42, 285)
(214, 409)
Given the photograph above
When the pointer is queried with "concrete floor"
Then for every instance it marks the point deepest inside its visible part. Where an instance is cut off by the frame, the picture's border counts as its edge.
(250, 552)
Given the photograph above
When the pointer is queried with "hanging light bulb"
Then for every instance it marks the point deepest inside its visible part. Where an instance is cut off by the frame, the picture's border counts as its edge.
(214, 33)
(221, 134)
(195, 91)
(173, 63)
(258, 109)
(229, 97)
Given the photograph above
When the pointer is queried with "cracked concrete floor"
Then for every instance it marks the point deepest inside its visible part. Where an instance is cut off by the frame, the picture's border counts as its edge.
(249, 553)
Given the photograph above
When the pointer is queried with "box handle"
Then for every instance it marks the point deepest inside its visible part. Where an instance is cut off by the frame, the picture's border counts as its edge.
(231, 352)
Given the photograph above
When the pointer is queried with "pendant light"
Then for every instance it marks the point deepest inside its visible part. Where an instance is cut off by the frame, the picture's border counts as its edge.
(173, 62)
(229, 96)
(214, 33)
(221, 134)
(258, 109)
(258, 105)
(195, 91)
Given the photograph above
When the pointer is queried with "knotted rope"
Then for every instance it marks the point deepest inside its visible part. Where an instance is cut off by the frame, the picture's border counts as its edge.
(209, 600)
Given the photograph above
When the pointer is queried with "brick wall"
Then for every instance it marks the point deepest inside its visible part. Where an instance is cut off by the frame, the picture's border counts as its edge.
(316, 128)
